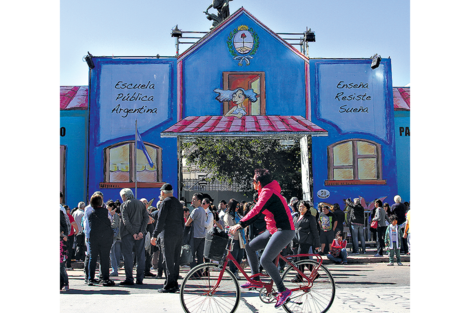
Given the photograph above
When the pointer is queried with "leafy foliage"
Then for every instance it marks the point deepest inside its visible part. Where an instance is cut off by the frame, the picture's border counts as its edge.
(234, 160)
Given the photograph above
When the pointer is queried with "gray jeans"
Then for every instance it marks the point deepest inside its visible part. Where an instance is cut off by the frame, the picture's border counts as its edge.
(272, 246)
(357, 233)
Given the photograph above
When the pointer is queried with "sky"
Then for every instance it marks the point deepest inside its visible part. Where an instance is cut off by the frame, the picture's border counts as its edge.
(343, 29)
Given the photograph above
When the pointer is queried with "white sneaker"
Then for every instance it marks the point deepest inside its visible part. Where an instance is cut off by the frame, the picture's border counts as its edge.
(390, 264)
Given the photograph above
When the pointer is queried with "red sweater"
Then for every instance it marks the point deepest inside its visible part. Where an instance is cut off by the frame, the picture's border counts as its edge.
(339, 245)
(273, 205)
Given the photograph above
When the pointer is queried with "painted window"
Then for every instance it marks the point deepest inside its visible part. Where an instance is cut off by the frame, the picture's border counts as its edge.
(246, 80)
(355, 161)
(119, 163)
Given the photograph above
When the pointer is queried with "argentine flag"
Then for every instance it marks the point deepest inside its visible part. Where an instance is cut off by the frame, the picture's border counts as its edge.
(140, 145)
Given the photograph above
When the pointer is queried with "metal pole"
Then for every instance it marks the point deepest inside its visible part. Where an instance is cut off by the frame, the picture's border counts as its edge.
(177, 46)
(135, 159)
(193, 32)
(290, 34)
(305, 166)
(179, 175)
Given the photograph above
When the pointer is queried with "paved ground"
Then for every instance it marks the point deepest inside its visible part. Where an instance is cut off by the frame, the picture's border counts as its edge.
(352, 258)
(364, 287)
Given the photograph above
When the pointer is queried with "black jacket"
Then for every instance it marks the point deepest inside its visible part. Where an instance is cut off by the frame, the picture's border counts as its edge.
(399, 210)
(340, 218)
(257, 227)
(307, 230)
(63, 224)
(356, 213)
(170, 219)
(100, 225)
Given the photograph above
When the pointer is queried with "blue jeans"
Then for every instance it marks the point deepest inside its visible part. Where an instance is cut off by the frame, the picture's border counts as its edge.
(343, 258)
(115, 255)
(358, 231)
(128, 243)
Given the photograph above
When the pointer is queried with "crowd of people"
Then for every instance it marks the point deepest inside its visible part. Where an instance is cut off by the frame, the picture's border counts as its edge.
(150, 238)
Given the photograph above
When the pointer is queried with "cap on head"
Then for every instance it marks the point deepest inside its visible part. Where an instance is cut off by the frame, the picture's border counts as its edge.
(166, 187)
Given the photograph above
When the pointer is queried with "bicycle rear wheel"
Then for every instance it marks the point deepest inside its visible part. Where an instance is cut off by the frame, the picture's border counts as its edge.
(197, 293)
(317, 298)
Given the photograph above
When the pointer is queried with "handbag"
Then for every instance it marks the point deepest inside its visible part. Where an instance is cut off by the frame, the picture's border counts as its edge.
(296, 239)
(147, 245)
(374, 224)
(335, 252)
(186, 255)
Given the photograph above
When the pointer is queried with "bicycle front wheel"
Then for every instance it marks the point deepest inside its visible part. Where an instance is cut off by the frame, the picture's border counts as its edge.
(197, 290)
(319, 295)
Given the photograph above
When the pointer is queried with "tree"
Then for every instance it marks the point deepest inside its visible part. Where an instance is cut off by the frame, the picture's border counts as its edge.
(234, 161)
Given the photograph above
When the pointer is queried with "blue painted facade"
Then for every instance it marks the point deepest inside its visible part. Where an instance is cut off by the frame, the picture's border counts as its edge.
(353, 102)
(347, 98)
(203, 69)
(112, 119)
(74, 128)
(402, 128)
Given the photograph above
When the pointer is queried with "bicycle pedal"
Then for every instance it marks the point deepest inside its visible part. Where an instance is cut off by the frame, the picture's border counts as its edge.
(252, 288)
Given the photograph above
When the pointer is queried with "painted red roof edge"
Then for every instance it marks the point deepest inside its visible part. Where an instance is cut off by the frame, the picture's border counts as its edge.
(284, 124)
(68, 95)
(405, 96)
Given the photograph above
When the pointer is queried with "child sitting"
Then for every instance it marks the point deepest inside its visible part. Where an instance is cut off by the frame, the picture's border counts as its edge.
(338, 253)
(393, 236)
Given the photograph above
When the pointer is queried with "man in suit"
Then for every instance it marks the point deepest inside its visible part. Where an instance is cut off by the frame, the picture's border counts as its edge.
(133, 229)
(170, 224)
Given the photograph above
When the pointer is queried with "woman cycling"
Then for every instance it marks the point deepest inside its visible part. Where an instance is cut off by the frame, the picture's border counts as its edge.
(280, 232)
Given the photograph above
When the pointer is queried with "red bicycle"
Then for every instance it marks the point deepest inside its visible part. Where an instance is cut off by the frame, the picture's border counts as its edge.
(211, 287)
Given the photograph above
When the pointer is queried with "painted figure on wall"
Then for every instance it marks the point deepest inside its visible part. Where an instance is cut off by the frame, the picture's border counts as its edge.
(243, 94)
(238, 97)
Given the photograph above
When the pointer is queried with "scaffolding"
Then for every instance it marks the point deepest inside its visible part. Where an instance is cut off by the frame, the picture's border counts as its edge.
(181, 38)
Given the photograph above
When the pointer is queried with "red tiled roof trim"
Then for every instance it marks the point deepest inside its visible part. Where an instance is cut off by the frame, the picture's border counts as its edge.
(405, 95)
(73, 97)
(401, 98)
(246, 124)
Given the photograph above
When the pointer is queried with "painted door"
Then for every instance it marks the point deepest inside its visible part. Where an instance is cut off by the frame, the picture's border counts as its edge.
(246, 80)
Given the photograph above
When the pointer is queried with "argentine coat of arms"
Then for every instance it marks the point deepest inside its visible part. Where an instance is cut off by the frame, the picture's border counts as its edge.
(243, 43)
